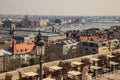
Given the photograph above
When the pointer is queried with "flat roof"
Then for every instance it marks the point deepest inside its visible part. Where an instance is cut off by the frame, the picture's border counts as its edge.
(49, 34)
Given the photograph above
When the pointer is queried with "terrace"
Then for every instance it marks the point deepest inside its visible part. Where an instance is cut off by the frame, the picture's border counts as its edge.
(99, 67)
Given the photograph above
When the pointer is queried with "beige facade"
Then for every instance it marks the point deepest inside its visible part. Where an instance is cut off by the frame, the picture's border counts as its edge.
(4, 63)
(1, 23)
(1, 63)
(53, 38)
(69, 47)
(103, 49)
(44, 22)
(113, 44)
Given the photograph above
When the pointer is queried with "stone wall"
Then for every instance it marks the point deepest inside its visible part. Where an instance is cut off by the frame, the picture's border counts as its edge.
(26, 69)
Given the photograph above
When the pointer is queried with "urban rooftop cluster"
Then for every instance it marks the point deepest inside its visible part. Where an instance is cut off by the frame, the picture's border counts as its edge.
(87, 54)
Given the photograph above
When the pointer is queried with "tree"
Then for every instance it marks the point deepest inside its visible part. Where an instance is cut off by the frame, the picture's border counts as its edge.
(58, 21)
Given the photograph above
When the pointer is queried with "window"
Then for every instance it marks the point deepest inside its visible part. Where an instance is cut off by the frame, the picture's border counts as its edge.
(26, 50)
(84, 43)
(92, 39)
(91, 44)
(104, 49)
(103, 44)
(21, 50)
(1, 61)
(96, 45)
(86, 48)
(94, 49)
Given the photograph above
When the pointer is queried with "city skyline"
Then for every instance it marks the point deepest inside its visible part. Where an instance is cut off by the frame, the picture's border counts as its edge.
(60, 7)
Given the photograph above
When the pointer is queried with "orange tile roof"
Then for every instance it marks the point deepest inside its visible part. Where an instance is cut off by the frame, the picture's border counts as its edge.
(23, 46)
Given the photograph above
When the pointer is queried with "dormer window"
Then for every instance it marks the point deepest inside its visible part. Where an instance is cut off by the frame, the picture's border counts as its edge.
(26, 50)
(21, 50)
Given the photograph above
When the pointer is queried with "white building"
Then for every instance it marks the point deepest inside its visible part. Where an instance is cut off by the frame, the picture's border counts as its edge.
(4, 59)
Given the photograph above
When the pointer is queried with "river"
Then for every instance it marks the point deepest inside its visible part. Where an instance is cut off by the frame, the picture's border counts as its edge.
(68, 27)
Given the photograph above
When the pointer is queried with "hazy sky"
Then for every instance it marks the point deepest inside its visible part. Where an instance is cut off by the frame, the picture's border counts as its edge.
(60, 7)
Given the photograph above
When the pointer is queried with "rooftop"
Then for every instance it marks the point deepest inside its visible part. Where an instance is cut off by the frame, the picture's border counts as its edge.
(49, 34)
(69, 41)
(3, 52)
